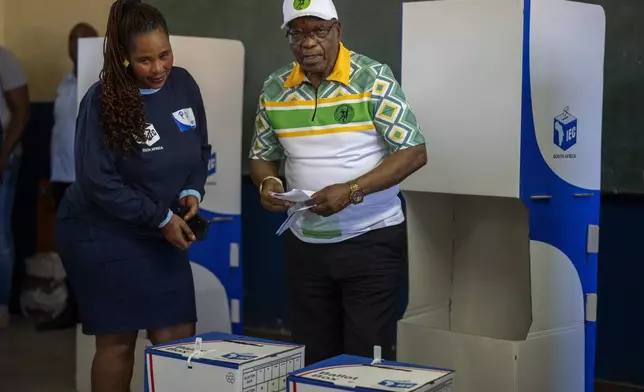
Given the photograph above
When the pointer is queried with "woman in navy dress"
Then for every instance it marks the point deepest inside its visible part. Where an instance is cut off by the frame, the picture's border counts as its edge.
(141, 147)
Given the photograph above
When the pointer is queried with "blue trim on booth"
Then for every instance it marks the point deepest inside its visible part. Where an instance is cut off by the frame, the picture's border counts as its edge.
(214, 337)
(205, 361)
(326, 385)
(563, 220)
(220, 336)
(146, 380)
(345, 359)
(214, 255)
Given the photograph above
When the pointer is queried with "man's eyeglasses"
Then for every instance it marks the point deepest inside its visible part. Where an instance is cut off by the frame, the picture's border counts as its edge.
(318, 34)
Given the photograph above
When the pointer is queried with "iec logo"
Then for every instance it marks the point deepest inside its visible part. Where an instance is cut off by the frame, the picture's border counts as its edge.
(239, 357)
(212, 164)
(565, 134)
(185, 119)
(397, 384)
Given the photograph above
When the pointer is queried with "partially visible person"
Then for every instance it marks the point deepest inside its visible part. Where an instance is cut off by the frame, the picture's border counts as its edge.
(65, 110)
(141, 149)
(14, 114)
(62, 151)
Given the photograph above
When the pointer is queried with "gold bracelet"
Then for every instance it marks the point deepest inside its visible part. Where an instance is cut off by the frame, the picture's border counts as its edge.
(261, 184)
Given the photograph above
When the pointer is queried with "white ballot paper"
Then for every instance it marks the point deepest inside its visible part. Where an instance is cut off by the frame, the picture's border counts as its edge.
(294, 196)
(298, 197)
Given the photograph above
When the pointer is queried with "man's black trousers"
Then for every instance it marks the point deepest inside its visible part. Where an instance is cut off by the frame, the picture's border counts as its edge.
(343, 295)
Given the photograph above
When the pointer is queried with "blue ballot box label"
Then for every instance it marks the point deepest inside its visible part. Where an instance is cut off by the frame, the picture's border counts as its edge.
(397, 384)
(239, 357)
(565, 130)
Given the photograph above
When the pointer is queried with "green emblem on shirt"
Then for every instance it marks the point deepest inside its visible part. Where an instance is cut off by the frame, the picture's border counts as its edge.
(300, 5)
(344, 114)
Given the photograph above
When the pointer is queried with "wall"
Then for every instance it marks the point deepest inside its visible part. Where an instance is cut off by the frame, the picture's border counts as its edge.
(47, 63)
(37, 32)
(620, 342)
(2, 21)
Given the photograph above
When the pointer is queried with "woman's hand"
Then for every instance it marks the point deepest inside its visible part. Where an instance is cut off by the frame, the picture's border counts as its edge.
(191, 202)
(178, 233)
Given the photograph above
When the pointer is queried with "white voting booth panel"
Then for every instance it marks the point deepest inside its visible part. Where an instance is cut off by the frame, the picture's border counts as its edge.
(502, 221)
(217, 65)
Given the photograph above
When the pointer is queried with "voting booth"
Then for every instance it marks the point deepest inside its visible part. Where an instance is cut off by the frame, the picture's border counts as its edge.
(218, 67)
(503, 219)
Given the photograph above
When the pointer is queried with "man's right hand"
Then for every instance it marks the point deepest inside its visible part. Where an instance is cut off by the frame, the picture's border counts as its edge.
(269, 202)
(178, 233)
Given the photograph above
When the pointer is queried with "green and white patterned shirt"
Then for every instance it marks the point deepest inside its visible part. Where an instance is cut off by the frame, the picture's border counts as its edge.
(357, 117)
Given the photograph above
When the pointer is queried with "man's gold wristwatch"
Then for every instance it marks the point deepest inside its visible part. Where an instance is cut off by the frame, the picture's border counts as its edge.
(356, 194)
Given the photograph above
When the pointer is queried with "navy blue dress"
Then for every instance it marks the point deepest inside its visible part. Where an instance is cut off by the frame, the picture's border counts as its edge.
(126, 276)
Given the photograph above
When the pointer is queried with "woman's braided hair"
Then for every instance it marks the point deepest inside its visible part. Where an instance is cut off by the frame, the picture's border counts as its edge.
(122, 113)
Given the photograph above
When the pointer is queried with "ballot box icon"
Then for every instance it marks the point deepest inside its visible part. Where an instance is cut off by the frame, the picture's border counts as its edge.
(565, 132)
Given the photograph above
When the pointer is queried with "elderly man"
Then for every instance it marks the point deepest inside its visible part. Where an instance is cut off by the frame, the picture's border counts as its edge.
(341, 121)
(14, 114)
(62, 150)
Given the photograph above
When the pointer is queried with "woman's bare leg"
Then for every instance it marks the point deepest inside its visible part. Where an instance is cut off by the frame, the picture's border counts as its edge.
(170, 334)
(113, 362)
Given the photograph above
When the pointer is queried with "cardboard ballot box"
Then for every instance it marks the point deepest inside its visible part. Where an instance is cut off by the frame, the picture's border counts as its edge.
(221, 362)
(350, 373)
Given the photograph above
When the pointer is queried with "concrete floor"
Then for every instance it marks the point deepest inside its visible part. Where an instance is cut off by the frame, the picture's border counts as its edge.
(32, 361)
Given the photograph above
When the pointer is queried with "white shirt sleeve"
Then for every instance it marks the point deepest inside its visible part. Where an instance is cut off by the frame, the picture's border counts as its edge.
(12, 75)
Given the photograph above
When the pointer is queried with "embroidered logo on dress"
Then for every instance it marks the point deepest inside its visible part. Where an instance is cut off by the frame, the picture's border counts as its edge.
(185, 119)
(151, 136)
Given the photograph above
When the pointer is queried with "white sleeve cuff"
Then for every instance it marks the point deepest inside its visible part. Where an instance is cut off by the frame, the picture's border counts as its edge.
(190, 192)
(166, 220)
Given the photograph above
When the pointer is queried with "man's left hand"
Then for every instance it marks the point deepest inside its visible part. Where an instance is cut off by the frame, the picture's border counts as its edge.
(330, 200)
(191, 202)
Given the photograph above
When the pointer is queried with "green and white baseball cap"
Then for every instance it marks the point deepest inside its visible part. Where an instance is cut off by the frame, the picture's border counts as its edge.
(323, 9)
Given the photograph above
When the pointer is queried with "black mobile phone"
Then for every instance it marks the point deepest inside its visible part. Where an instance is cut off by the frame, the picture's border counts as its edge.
(198, 224)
